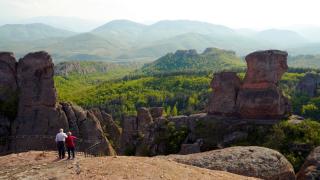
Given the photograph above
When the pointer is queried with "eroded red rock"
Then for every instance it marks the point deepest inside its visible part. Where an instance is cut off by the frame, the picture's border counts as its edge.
(225, 86)
(259, 95)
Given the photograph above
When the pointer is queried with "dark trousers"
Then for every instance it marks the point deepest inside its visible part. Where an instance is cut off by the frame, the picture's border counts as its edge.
(70, 151)
(61, 149)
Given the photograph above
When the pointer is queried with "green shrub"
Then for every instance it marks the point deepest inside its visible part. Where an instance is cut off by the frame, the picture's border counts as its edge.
(285, 136)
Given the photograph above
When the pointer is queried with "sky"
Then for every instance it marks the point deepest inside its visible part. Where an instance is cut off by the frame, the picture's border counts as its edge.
(256, 14)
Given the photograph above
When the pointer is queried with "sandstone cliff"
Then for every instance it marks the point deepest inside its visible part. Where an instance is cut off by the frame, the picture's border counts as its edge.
(39, 116)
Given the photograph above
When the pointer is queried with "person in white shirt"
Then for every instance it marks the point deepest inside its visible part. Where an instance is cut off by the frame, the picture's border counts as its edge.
(60, 139)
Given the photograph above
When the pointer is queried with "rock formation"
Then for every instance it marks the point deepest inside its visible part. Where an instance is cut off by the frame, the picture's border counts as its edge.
(258, 96)
(311, 167)
(8, 81)
(8, 95)
(223, 100)
(137, 136)
(39, 116)
(247, 160)
(309, 84)
(37, 110)
(191, 148)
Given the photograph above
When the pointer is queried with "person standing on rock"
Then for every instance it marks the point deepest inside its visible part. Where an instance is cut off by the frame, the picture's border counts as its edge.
(70, 145)
(60, 139)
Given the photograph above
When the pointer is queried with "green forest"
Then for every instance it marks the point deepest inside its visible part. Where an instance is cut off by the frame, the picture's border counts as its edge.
(185, 90)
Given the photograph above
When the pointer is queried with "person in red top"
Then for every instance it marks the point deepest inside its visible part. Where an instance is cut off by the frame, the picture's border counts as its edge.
(70, 144)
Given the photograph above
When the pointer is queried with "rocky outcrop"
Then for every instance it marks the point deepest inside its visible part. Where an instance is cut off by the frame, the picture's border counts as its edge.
(111, 130)
(189, 134)
(37, 110)
(43, 165)
(144, 118)
(191, 148)
(259, 95)
(249, 161)
(156, 112)
(39, 116)
(8, 96)
(137, 135)
(8, 80)
(83, 68)
(311, 167)
(223, 100)
(309, 84)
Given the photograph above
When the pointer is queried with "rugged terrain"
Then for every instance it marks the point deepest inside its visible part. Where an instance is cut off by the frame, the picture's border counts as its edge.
(44, 165)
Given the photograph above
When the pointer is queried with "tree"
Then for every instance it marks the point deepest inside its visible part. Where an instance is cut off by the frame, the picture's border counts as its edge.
(168, 110)
(174, 111)
(311, 111)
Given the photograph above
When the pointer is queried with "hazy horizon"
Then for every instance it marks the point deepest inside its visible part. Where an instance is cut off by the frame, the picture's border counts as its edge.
(245, 14)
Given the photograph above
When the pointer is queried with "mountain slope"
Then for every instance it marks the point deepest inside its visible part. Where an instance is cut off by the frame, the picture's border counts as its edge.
(69, 23)
(304, 61)
(30, 32)
(281, 38)
(122, 31)
(212, 59)
(84, 46)
(167, 29)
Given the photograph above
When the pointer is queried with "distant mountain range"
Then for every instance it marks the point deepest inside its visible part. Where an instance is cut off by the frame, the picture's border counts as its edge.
(123, 40)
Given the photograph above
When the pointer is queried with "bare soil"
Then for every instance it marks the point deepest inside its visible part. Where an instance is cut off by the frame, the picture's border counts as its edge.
(45, 165)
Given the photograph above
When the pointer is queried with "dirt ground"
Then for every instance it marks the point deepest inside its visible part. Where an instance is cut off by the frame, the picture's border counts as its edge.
(45, 165)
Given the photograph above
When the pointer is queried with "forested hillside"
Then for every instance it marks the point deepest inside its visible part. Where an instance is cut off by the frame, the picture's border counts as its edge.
(212, 59)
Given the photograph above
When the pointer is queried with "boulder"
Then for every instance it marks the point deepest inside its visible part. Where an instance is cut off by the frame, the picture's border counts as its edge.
(248, 161)
(225, 86)
(309, 84)
(259, 95)
(311, 167)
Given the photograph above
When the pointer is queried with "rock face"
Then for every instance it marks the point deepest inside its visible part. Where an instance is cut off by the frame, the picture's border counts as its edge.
(39, 116)
(8, 95)
(249, 161)
(259, 95)
(309, 84)
(8, 80)
(223, 100)
(311, 167)
(110, 128)
(156, 112)
(265, 68)
(191, 148)
(37, 111)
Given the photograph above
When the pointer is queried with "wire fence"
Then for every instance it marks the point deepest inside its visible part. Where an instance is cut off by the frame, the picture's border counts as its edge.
(24, 143)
